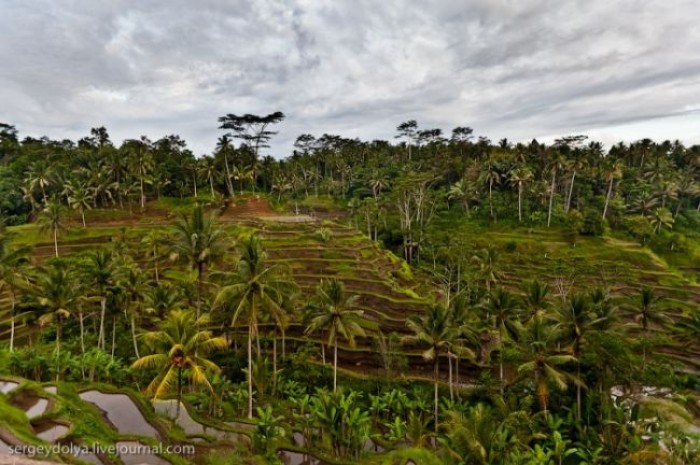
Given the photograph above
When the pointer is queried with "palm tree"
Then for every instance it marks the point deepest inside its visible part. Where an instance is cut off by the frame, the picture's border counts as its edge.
(435, 331)
(502, 309)
(141, 163)
(207, 166)
(198, 241)
(463, 191)
(612, 170)
(556, 163)
(79, 198)
(153, 241)
(13, 260)
(336, 313)
(543, 361)
(101, 272)
(645, 313)
(487, 261)
(255, 286)
(180, 347)
(51, 219)
(135, 286)
(378, 183)
(57, 292)
(491, 176)
(575, 319)
(535, 300)
(40, 174)
(519, 176)
(661, 217)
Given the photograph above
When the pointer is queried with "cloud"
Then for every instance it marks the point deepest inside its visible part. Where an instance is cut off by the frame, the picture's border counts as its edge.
(531, 68)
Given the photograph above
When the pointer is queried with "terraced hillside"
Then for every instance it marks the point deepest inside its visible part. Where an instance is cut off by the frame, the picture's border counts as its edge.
(389, 291)
(387, 288)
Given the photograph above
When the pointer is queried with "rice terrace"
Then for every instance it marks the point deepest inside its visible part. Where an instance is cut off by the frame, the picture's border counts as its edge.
(341, 283)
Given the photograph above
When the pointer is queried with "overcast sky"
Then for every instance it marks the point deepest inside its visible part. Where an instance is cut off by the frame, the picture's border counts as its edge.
(519, 69)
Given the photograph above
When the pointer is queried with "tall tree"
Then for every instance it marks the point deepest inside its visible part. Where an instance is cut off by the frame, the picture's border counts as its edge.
(543, 361)
(198, 241)
(436, 331)
(180, 348)
(13, 260)
(336, 313)
(255, 286)
(141, 153)
(51, 219)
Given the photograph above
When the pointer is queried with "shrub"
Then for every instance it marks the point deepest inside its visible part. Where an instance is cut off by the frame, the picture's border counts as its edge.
(593, 223)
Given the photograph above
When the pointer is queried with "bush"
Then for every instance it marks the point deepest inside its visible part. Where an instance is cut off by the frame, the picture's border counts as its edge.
(593, 223)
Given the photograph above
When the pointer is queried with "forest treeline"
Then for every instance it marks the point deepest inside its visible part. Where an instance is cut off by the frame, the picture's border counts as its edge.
(528, 181)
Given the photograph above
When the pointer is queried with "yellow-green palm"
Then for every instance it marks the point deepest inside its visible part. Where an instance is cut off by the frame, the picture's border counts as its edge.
(178, 346)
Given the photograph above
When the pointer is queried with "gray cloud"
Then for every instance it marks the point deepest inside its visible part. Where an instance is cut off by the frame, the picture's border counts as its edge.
(531, 68)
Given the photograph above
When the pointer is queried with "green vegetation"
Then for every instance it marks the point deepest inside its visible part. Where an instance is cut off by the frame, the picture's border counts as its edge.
(485, 303)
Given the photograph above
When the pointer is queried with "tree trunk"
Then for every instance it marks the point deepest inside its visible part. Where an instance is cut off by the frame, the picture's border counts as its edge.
(490, 197)
(200, 271)
(211, 185)
(520, 203)
(250, 372)
(55, 240)
(133, 336)
(551, 196)
(571, 192)
(274, 364)
(179, 392)
(335, 366)
(437, 374)
(323, 352)
(114, 334)
(194, 183)
(143, 195)
(229, 186)
(607, 197)
(82, 214)
(449, 363)
(12, 328)
(101, 336)
(155, 263)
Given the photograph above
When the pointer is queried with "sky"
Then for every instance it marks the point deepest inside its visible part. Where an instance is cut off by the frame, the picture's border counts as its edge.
(517, 69)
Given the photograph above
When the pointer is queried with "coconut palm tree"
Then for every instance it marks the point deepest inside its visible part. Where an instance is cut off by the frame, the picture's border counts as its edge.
(463, 191)
(535, 298)
(78, 197)
(542, 360)
(575, 320)
(487, 261)
(51, 219)
(502, 310)
(135, 286)
(180, 348)
(518, 176)
(41, 174)
(612, 170)
(661, 217)
(207, 167)
(141, 160)
(645, 313)
(13, 260)
(336, 313)
(101, 273)
(57, 292)
(154, 242)
(436, 332)
(198, 241)
(255, 286)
